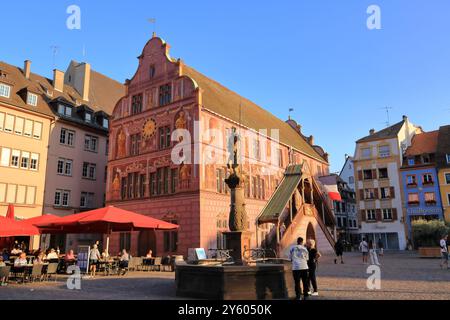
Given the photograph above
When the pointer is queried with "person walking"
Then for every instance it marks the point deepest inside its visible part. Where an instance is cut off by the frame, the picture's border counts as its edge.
(93, 259)
(314, 256)
(364, 248)
(444, 251)
(380, 245)
(373, 253)
(339, 250)
(299, 257)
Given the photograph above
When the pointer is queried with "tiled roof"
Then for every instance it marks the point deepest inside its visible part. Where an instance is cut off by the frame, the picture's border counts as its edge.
(103, 95)
(443, 147)
(225, 102)
(423, 143)
(389, 132)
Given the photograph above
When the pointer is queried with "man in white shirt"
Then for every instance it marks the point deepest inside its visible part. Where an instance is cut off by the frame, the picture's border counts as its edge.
(364, 248)
(444, 251)
(299, 257)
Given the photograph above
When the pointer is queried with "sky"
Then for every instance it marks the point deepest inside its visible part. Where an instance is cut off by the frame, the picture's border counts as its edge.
(315, 56)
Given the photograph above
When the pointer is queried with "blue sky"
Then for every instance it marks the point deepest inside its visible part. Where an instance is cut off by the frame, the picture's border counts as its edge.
(316, 56)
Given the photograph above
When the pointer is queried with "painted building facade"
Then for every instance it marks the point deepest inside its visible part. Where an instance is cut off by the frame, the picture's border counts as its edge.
(377, 161)
(420, 183)
(166, 97)
(443, 167)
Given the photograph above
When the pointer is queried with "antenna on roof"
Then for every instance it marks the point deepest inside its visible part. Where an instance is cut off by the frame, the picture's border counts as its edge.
(84, 52)
(290, 110)
(388, 122)
(153, 22)
(55, 50)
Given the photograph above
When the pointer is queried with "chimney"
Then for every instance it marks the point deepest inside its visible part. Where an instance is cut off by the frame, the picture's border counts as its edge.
(311, 140)
(372, 132)
(86, 81)
(27, 68)
(58, 80)
(405, 118)
(80, 78)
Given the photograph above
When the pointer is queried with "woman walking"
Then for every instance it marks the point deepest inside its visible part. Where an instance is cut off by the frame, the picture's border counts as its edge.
(314, 256)
(373, 253)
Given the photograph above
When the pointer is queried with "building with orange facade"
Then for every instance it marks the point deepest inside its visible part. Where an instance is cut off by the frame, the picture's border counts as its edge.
(169, 149)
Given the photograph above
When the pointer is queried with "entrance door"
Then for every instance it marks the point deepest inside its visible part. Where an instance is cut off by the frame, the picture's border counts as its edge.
(147, 241)
(311, 233)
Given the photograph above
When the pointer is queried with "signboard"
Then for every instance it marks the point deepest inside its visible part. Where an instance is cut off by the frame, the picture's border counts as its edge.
(83, 253)
(201, 253)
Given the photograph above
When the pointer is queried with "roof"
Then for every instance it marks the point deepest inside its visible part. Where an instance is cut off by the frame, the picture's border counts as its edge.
(423, 143)
(443, 147)
(282, 195)
(389, 132)
(227, 103)
(103, 93)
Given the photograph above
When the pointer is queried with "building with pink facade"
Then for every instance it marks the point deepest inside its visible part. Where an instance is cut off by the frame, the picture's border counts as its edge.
(169, 149)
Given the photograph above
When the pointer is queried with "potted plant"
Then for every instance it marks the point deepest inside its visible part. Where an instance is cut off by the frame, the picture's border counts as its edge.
(426, 236)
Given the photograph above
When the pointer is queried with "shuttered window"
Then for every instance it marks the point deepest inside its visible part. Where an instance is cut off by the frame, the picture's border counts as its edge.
(31, 195)
(6, 155)
(21, 192)
(28, 128)
(37, 132)
(18, 128)
(9, 123)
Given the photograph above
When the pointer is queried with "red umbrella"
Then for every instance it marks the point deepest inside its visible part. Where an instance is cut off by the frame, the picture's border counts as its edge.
(41, 219)
(104, 220)
(10, 212)
(12, 228)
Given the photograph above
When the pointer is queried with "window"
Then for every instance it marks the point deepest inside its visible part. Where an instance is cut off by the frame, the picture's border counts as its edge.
(2, 121)
(25, 160)
(153, 188)
(89, 170)
(385, 193)
(142, 183)
(125, 241)
(88, 117)
(135, 141)
(62, 198)
(9, 123)
(15, 157)
(32, 99)
(256, 149)
(164, 137)
(3, 187)
(64, 167)
(90, 143)
(448, 157)
(371, 215)
(31, 195)
(171, 239)
(447, 178)
(280, 158)
(64, 110)
(448, 199)
(369, 194)
(430, 198)
(123, 188)
(427, 178)
(18, 127)
(11, 193)
(87, 200)
(366, 153)
(413, 198)
(174, 182)
(165, 94)
(136, 104)
(5, 90)
(34, 164)
(219, 179)
(383, 173)
(384, 151)
(351, 180)
(105, 123)
(387, 214)
(28, 129)
(20, 196)
(152, 71)
(37, 130)
(6, 155)
(411, 180)
(411, 161)
(368, 175)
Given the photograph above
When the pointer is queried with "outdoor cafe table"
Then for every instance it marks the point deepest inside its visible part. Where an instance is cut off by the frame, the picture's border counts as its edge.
(25, 270)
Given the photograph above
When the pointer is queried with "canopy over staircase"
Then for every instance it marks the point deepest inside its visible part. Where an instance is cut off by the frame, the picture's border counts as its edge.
(298, 208)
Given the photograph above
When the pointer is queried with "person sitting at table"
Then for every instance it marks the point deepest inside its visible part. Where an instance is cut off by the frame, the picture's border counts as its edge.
(39, 258)
(149, 254)
(5, 255)
(52, 255)
(70, 256)
(105, 255)
(21, 260)
(16, 251)
(93, 259)
(123, 261)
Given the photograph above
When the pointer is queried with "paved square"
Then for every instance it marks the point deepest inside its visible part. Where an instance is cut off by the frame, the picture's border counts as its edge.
(403, 276)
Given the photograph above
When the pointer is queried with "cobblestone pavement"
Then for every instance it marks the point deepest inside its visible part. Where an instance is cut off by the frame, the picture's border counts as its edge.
(403, 276)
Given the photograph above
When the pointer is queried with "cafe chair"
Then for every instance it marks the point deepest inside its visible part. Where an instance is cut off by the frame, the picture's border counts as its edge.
(4, 275)
(52, 271)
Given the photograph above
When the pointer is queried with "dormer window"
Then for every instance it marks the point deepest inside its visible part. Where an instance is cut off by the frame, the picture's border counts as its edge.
(5, 90)
(88, 117)
(105, 123)
(65, 110)
(411, 161)
(32, 99)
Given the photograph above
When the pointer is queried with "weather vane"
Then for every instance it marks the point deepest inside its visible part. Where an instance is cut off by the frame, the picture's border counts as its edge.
(153, 21)
(55, 50)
